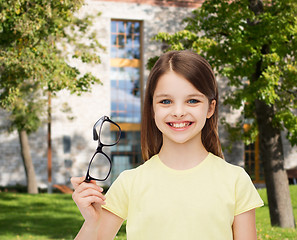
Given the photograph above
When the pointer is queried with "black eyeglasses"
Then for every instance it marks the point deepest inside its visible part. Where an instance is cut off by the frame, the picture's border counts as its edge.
(108, 134)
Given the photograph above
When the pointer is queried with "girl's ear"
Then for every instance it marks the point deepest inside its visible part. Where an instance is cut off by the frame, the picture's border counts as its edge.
(211, 108)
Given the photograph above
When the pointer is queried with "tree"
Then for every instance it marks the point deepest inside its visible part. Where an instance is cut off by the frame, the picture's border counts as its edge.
(38, 40)
(254, 44)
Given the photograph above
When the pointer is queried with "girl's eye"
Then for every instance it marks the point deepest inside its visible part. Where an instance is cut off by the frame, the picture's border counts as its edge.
(166, 101)
(192, 101)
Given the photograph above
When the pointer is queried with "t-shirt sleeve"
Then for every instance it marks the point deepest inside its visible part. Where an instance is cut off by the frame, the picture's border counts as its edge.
(117, 196)
(246, 195)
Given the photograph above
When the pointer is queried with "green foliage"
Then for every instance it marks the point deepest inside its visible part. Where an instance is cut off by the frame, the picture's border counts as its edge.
(37, 41)
(255, 50)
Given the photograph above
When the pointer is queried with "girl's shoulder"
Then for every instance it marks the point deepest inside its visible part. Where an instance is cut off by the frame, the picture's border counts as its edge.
(225, 167)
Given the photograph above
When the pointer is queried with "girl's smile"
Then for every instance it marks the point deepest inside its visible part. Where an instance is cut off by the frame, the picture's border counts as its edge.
(179, 125)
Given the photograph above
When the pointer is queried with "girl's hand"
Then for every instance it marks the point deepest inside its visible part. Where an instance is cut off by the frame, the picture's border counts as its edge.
(88, 198)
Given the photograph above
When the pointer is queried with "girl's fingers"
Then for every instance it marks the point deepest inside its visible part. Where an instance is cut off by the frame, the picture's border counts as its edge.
(79, 184)
(93, 200)
(88, 198)
(85, 185)
(91, 192)
(76, 181)
(86, 194)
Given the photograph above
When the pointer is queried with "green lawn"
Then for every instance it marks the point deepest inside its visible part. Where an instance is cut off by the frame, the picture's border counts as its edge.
(265, 231)
(43, 216)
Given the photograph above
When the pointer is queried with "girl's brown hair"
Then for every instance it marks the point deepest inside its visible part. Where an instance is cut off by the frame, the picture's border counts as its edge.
(197, 71)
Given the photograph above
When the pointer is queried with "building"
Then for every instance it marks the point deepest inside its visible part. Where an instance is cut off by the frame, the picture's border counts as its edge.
(125, 28)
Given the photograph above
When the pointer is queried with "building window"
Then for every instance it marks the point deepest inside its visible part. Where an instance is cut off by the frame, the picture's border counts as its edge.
(125, 94)
(126, 79)
(125, 71)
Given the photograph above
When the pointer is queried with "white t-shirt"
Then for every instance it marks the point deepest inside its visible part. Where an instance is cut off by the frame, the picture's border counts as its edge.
(199, 203)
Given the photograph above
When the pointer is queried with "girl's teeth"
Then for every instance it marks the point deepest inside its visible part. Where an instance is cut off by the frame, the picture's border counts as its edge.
(179, 125)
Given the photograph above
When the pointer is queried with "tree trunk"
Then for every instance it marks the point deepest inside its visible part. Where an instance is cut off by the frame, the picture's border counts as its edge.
(271, 149)
(276, 179)
(28, 164)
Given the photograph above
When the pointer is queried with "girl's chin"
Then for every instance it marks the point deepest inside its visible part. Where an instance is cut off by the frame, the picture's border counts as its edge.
(177, 141)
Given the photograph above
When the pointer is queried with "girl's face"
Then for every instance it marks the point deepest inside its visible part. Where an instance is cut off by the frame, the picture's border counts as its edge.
(180, 110)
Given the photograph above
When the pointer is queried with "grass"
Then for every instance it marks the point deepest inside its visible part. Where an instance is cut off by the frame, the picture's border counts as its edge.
(55, 216)
(264, 230)
(42, 216)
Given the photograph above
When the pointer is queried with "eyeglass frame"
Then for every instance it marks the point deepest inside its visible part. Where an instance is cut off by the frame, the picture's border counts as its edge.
(96, 136)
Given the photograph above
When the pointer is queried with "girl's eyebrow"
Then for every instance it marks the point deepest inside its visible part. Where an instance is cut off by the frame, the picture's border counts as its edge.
(161, 95)
(196, 95)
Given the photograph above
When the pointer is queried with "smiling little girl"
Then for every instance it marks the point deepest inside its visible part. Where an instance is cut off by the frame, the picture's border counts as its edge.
(184, 190)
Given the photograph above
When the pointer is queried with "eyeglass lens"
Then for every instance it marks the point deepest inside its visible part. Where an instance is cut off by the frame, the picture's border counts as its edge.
(109, 134)
(100, 167)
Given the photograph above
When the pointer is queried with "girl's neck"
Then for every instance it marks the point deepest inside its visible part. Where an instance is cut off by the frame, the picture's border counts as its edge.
(182, 156)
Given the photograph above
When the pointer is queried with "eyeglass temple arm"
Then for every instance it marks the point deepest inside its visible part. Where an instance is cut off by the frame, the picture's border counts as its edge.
(95, 134)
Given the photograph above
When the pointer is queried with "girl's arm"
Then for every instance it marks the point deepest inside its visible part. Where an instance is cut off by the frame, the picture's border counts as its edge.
(109, 225)
(244, 226)
(99, 223)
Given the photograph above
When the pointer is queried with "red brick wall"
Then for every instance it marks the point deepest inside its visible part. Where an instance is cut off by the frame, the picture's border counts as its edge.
(173, 3)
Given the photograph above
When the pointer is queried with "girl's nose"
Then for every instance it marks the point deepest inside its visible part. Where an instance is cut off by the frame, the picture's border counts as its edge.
(178, 115)
(178, 112)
